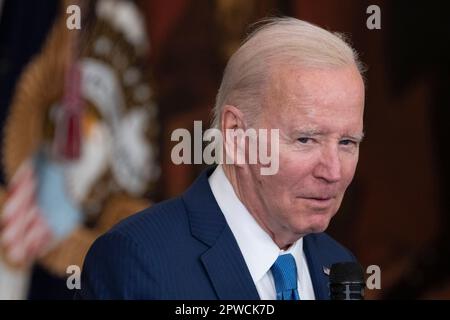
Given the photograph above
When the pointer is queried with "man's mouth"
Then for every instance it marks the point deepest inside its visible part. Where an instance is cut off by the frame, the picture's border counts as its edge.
(319, 202)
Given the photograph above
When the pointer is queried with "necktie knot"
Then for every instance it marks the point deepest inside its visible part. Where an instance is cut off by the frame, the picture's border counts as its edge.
(284, 272)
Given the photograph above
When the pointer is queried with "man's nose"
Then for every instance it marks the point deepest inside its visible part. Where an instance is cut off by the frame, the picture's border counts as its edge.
(329, 165)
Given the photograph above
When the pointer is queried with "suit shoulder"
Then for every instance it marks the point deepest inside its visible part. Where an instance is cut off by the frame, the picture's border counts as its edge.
(160, 220)
(324, 242)
(116, 267)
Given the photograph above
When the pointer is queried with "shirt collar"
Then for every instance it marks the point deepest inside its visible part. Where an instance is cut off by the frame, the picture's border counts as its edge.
(257, 247)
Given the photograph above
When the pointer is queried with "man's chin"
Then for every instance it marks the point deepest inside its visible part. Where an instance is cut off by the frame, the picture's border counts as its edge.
(316, 224)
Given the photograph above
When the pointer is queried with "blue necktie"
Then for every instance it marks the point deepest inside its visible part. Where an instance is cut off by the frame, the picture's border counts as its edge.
(284, 272)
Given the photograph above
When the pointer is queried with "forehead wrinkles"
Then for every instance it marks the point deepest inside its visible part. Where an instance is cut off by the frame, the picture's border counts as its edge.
(297, 96)
(286, 92)
(300, 86)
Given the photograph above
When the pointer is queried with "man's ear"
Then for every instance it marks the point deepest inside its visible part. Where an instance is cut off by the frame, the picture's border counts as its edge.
(232, 118)
(233, 122)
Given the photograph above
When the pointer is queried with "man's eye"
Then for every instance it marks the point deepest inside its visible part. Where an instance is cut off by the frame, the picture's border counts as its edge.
(347, 142)
(304, 140)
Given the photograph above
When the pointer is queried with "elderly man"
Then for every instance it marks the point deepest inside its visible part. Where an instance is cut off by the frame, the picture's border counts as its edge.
(235, 233)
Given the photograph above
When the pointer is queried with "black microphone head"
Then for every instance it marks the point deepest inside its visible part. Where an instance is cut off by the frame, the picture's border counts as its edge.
(346, 281)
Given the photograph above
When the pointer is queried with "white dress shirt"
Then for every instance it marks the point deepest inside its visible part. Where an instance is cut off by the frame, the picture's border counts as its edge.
(257, 247)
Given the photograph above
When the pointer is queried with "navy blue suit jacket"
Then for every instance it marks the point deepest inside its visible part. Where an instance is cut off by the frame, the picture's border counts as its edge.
(184, 249)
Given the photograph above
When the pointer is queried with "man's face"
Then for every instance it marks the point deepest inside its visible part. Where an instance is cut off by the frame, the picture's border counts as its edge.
(319, 113)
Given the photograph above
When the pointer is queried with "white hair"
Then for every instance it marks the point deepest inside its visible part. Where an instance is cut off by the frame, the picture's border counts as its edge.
(277, 41)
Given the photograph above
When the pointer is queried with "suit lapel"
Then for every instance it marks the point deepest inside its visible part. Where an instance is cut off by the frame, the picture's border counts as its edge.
(227, 270)
(223, 261)
(316, 266)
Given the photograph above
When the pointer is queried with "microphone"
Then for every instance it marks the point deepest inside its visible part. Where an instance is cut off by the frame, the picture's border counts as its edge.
(346, 281)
